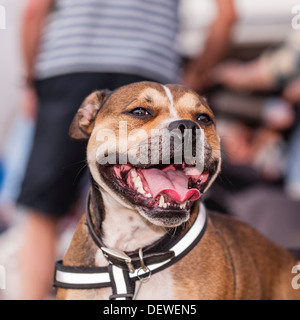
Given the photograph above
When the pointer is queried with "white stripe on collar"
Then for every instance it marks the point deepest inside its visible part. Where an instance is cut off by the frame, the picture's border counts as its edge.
(119, 279)
(81, 277)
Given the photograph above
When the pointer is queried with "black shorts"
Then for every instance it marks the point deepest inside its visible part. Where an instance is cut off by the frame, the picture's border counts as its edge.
(57, 163)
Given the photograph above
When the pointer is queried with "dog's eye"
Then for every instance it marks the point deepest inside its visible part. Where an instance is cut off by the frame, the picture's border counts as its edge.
(204, 119)
(140, 112)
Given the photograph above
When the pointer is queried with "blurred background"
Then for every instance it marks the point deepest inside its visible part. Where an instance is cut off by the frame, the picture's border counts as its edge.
(254, 91)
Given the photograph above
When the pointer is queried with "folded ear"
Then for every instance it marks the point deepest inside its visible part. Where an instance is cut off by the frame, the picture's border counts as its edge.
(82, 124)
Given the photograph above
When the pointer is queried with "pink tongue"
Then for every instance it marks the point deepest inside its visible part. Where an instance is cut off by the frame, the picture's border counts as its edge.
(172, 183)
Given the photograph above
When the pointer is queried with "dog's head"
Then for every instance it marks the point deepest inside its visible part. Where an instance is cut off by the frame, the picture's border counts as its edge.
(153, 148)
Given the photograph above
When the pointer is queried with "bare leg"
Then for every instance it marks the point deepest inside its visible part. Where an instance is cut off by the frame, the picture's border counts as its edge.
(37, 256)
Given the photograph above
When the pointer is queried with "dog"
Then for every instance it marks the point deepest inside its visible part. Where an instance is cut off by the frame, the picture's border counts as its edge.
(146, 233)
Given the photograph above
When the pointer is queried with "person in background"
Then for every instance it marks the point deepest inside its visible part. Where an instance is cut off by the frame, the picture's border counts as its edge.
(72, 48)
(277, 69)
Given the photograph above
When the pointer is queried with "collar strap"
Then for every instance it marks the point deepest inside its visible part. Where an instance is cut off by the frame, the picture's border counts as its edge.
(119, 275)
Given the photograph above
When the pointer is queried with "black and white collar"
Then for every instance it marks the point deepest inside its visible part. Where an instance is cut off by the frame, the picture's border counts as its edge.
(125, 269)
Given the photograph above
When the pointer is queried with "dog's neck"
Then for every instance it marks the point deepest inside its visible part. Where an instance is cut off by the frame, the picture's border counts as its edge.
(123, 228)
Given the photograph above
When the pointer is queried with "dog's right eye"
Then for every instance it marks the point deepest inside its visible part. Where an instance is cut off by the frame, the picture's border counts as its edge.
(140, 112)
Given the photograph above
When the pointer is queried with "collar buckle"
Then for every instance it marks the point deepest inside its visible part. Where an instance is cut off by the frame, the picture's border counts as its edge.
(120, 255)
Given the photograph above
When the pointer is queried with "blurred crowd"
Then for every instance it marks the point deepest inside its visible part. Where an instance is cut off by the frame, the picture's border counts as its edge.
(242, 55)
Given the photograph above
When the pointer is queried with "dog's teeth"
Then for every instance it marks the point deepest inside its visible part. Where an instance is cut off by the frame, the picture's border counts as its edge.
(165, 205)
(148, 195)
(137, 182)
(161, 201)
(133, 173)
(141, 190)
(183, 205)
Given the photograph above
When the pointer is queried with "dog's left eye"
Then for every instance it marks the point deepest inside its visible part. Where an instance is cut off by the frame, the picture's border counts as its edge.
(204, 119)
(140, 112)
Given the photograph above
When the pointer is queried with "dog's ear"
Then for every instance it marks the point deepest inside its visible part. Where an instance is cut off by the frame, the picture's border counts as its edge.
(82, 124)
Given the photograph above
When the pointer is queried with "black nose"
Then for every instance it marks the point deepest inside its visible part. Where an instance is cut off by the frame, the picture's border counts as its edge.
(184, 124)
(186, 136)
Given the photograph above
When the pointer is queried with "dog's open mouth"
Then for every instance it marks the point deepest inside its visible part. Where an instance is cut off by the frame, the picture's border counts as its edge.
(162, 187)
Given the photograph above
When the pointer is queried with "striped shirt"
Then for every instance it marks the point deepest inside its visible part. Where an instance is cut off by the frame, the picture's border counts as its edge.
(123, 36)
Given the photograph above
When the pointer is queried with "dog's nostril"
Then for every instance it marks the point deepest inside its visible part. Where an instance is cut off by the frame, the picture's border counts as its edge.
(182, 128)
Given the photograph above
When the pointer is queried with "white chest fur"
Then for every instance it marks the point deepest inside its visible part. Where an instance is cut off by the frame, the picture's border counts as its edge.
(124, 229)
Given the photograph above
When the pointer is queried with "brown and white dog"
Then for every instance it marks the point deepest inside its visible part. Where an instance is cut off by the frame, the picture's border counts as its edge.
(134, 204)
